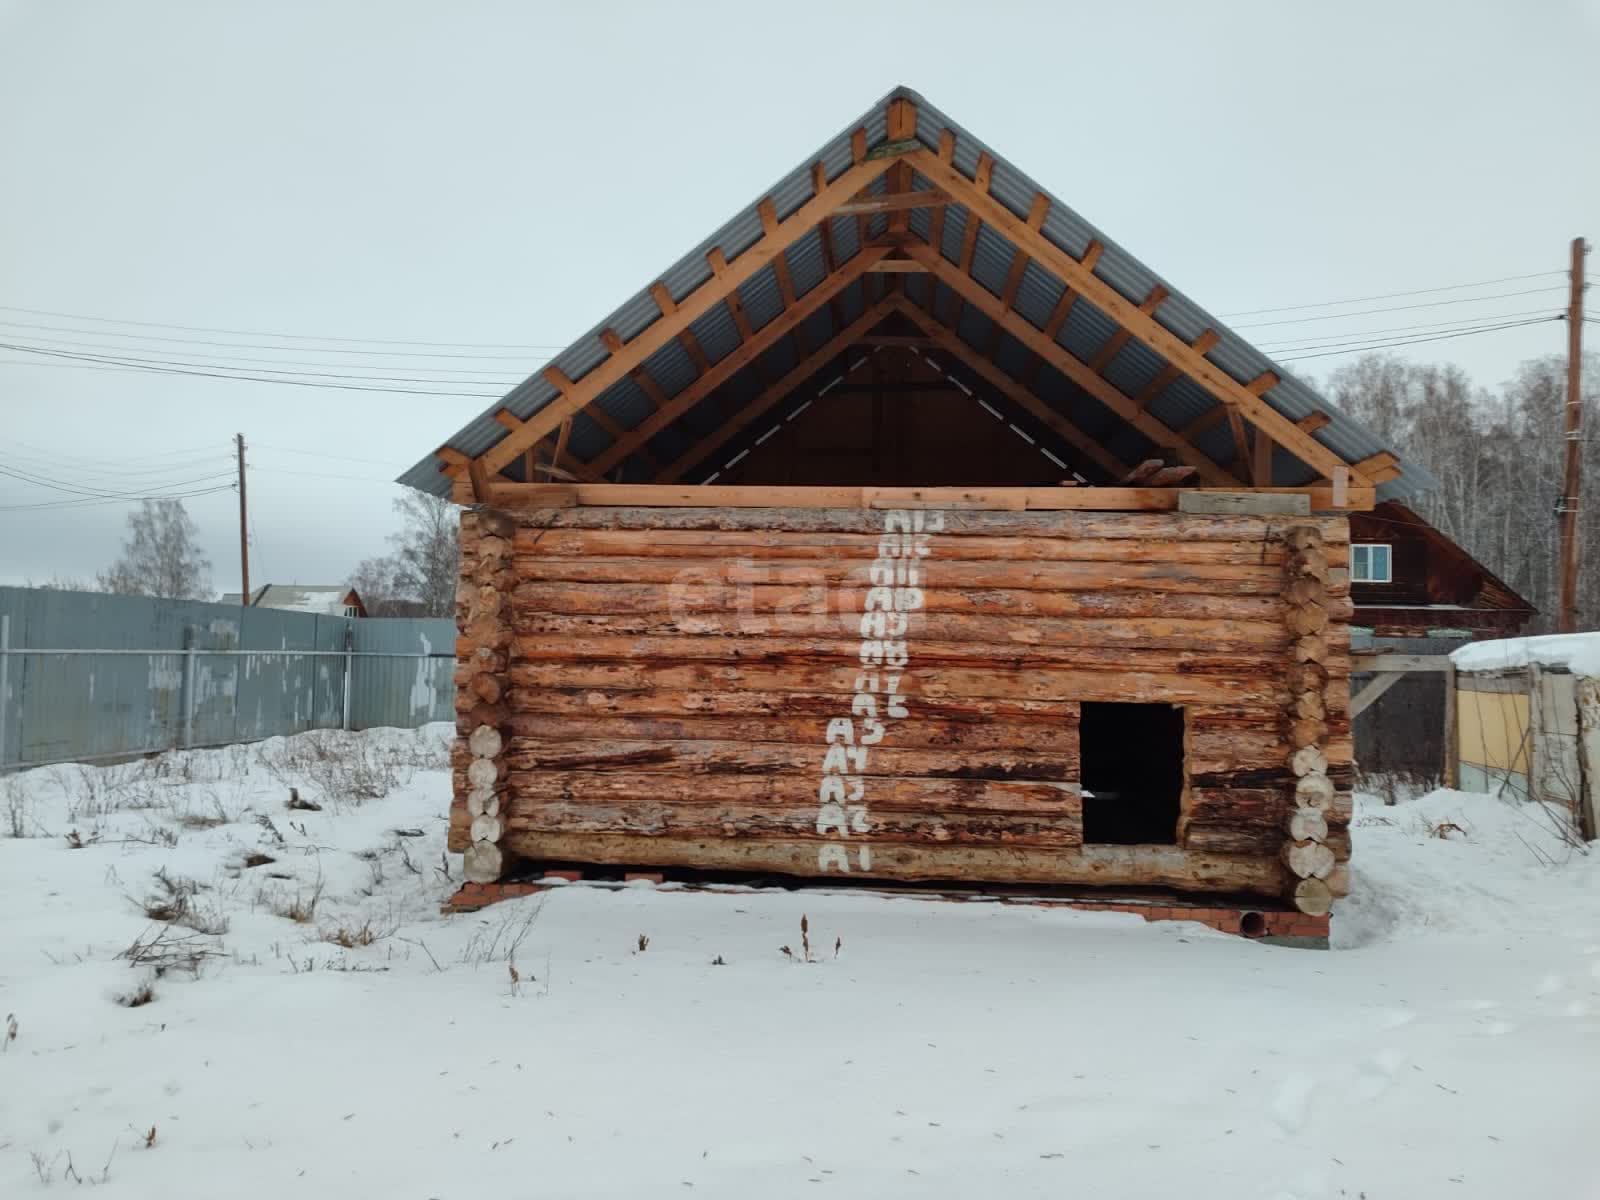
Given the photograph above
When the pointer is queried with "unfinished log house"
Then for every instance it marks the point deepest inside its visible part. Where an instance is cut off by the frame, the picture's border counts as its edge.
(909, 529)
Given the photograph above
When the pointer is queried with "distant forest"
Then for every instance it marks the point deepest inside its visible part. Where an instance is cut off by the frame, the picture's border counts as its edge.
(1498, 454)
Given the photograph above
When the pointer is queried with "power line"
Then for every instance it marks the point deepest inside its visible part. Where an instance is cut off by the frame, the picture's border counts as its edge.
(1452, 287)
(1358, 342)
(37, 480)
(272, 365)
(1437, 337)
(1400, 308)
(156, 337)
(247, 378)
(223, 366)
(1307, 339)
(303, 337)
(93, 503)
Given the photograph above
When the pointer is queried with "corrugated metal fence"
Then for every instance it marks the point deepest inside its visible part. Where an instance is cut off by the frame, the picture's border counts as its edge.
(87, 676)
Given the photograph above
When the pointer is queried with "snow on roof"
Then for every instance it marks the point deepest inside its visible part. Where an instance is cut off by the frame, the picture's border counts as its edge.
(1577, 652)
(323, 599)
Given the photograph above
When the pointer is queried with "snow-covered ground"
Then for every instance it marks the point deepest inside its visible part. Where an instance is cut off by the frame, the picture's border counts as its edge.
(1447, 1047)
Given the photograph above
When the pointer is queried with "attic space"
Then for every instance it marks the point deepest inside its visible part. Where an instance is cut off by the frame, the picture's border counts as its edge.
(1132, 772)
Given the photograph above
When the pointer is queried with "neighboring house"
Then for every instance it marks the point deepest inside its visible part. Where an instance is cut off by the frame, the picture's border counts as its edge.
(1408, 580)
(329, 600)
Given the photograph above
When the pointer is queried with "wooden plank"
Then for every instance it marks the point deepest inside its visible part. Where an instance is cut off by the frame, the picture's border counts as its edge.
(1126, 313)
(1103, 499)
(727, 367)
(1062, 310)
(969, 235)
(897, 266)
(1096, 385)
(1260, 458)
(893, 202)
(1196, 501)
(1376, 686)
(1120, 338)
(763, 253)
(1312, 422)
(1400, 663)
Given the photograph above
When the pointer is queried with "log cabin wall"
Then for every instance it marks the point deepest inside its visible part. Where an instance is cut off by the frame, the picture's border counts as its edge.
(896, 694)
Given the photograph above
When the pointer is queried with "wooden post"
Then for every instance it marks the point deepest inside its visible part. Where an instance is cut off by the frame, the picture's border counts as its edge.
(1572, 484)
(483, 617)
(244, 538)
(1452, 755)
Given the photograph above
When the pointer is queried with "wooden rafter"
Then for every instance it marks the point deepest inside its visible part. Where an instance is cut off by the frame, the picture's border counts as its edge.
(1120, 338)
(558, 379)
(718, 262)
(1063, 309)
(1380, 467)
(1260, 458)
(727, 368)
(947, 149)
(1018, 268)
(1169, 374)
(1210, 419)
(558, 456)
(897, 266)
(893, 202)
(802, 371)
(1074, 369)
(686, 338)
(1312, 422)
(689, 309)
(948, 340)
(780, 268)
(830, 257)
(1241, 440)
(1142, 325)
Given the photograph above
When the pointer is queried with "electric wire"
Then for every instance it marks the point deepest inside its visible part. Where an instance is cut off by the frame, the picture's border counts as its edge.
(1450, 287)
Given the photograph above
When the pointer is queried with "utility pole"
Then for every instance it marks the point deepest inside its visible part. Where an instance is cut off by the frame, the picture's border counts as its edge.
(244, 540)
(1572, 484)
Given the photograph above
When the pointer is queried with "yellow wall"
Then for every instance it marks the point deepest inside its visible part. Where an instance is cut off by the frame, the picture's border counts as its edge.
(1493, 729)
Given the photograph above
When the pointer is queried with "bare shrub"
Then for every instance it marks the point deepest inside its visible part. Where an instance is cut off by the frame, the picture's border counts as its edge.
(500, 941)
(301, 908)
(352, 936)
(17, 807)
(144, 994)
(163, 950)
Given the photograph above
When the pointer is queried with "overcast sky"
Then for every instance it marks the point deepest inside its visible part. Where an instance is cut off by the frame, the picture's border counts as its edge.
(506, 173)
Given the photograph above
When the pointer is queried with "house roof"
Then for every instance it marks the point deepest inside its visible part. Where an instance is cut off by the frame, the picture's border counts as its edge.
(1170, 398)
(1493, 592)
(325, 599)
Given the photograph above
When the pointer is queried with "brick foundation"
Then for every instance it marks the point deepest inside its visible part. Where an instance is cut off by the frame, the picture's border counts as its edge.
(1243, 921)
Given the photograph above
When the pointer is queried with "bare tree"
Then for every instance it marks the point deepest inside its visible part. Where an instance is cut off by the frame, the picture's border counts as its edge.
(160, 556)
(419, 577)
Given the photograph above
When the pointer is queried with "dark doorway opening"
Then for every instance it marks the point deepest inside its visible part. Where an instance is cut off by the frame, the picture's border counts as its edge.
(1132, 772)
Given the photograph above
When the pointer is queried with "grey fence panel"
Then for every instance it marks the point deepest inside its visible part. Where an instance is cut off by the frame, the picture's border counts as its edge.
(141, 675)
(403, 691)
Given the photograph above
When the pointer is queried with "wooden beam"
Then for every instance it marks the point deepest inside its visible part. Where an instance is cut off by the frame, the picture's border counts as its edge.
(510, 421)
(897, 266)
(893, 202)
(1169, 374)
(1014, 391)
(1376, 686)
(1127, 314)
(689, 309)
(1260, 458)
(1380, 467)
(780, 267)
(969, 235)
(1007, 499)
(947, 150)
(830, 258)
(686, 338)
(1144, 471)
(1241, 442)
(1119, 339)
(1019, 266)
(902, 122)
(1063, 309)
(914, 341)
(742, 357)
(1312, 422)
(802, 371)
(1078, 372)
(1401, 663)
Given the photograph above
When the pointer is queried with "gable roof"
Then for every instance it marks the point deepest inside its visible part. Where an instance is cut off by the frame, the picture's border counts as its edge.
(818, 260)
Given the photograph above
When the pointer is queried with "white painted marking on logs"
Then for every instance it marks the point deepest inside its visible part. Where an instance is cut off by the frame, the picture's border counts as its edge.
(993, 412)
(798, 411)
(1052, 458)
(896, 592)
(768, 434)
(729, 464)
(711, 478)
(1023, 434)
(832, 383)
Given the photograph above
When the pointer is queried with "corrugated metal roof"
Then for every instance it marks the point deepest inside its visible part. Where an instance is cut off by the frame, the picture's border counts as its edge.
(1085, 332)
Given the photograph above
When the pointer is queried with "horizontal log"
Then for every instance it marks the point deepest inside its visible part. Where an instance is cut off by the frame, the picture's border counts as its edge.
(1071, 525)
(529, 756)
(998, 681)
(736, 653)
(1097, 866)
(1232, 839)
(807, 600)
(590, 701)
(766, 546)
(688, 575)
(557, 629)
(1055, 732)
